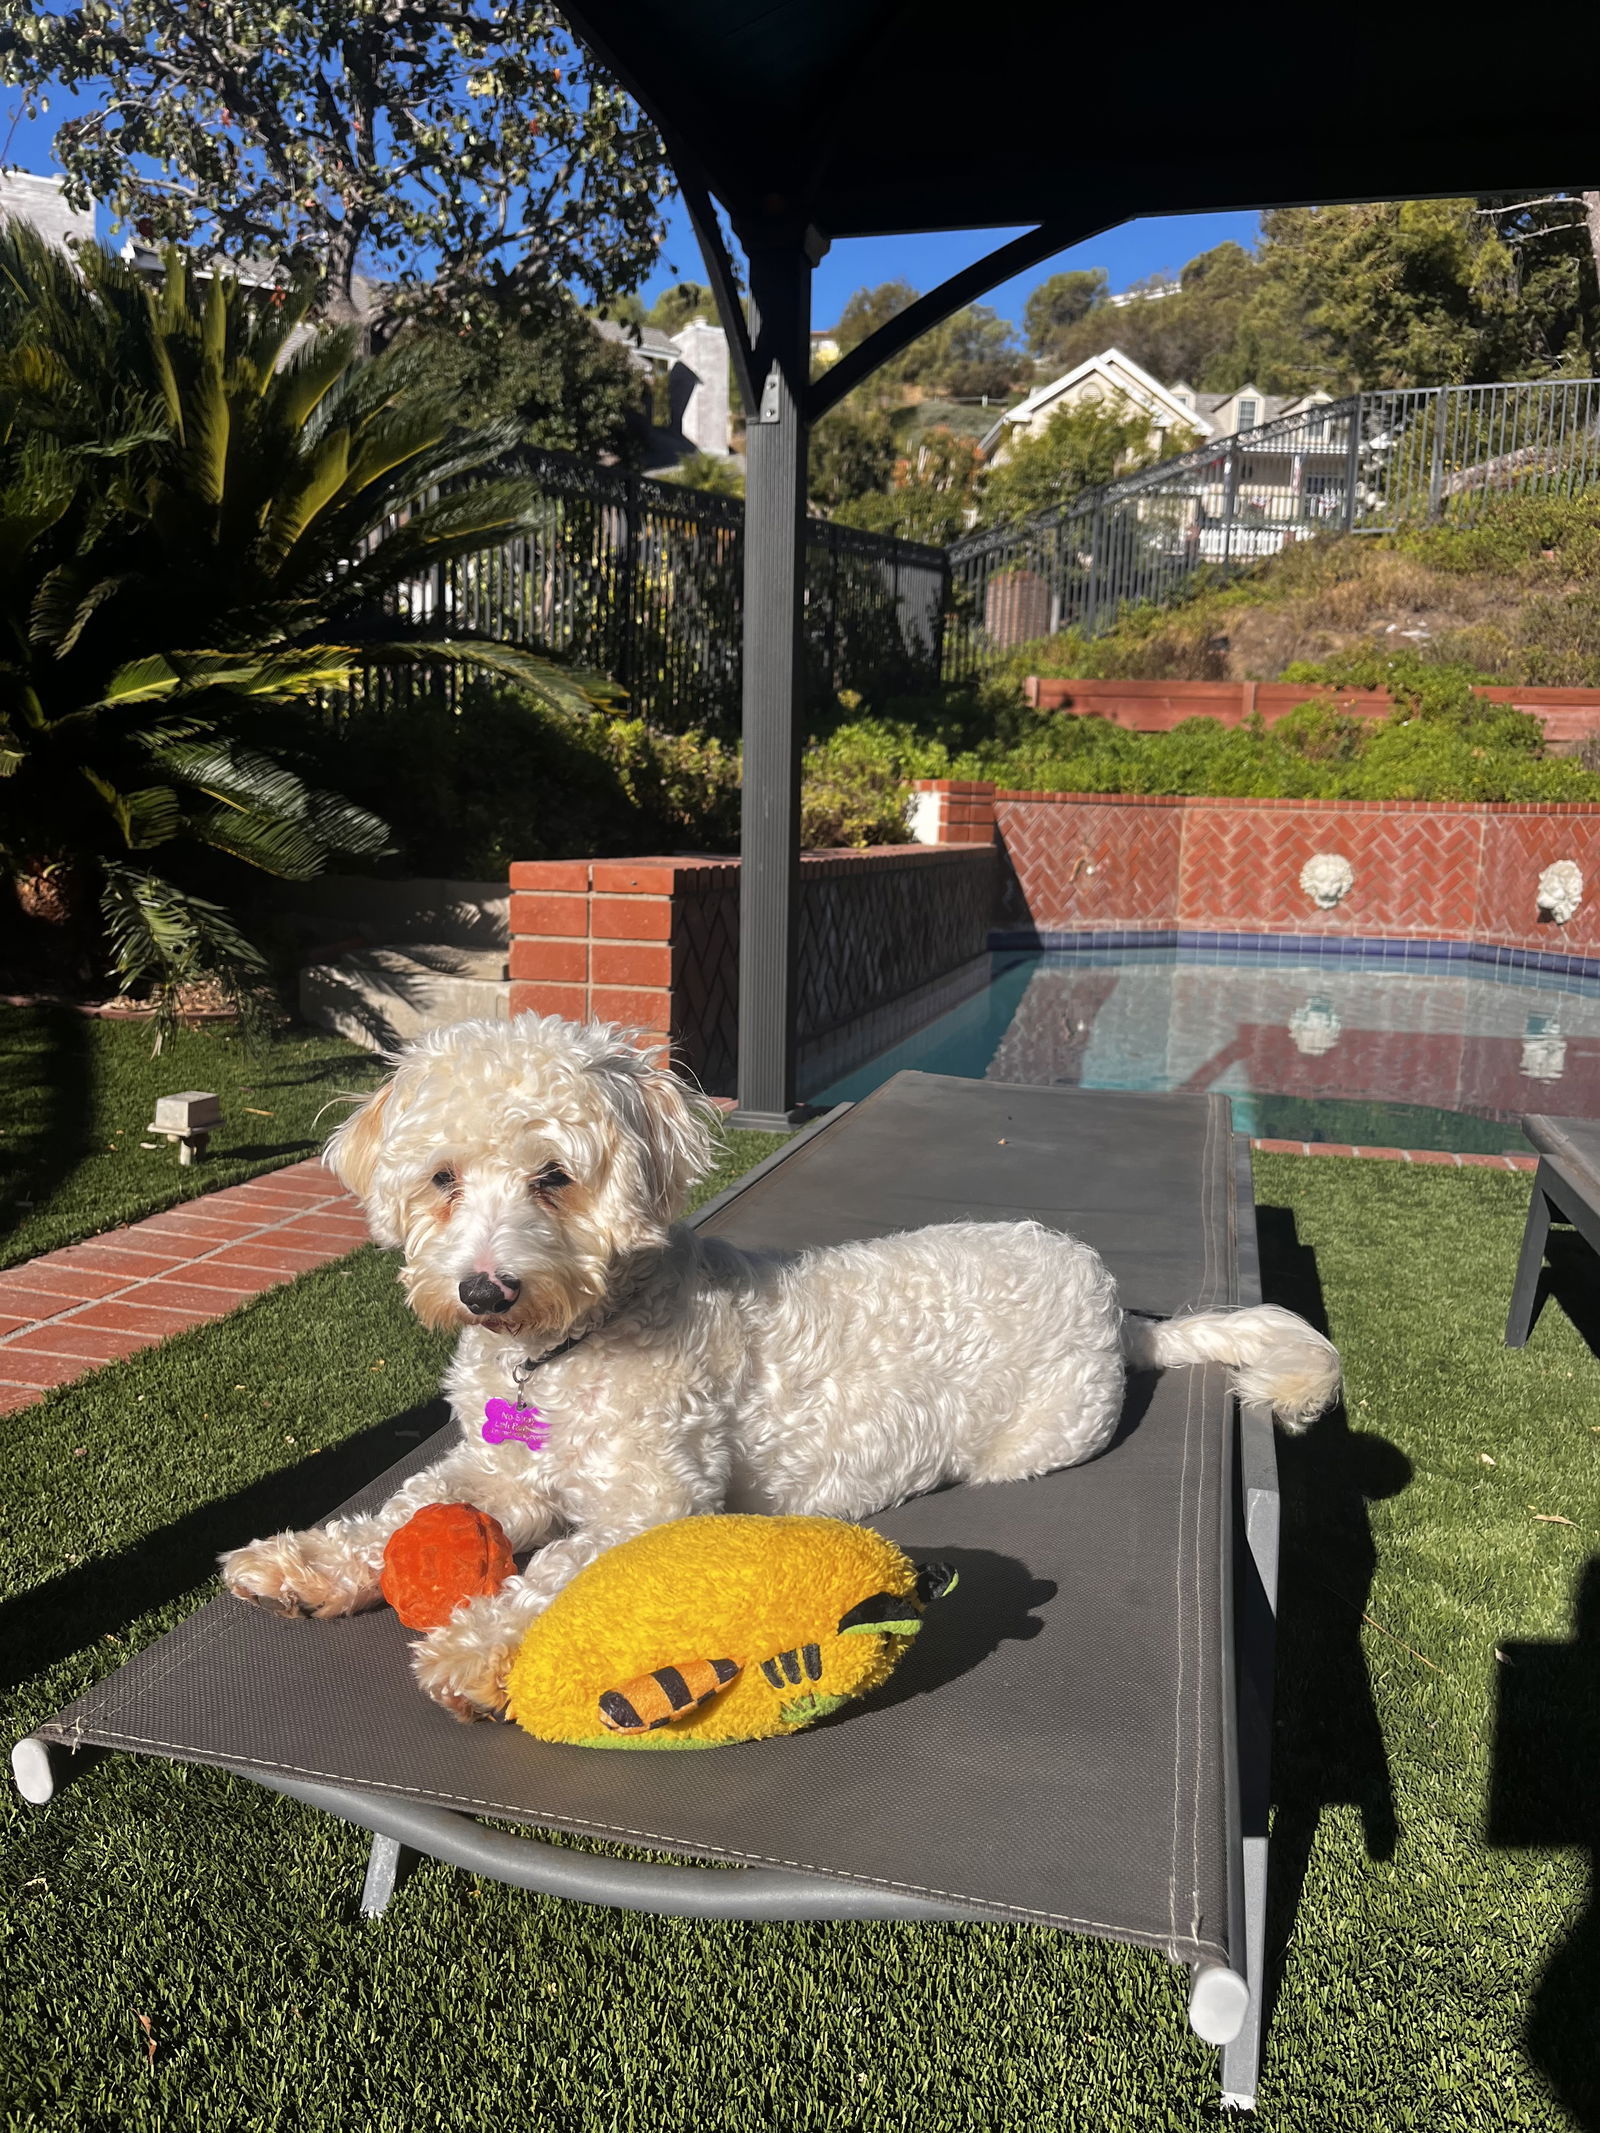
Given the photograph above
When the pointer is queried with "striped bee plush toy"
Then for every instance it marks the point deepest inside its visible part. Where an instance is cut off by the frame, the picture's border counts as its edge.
(719, 1629)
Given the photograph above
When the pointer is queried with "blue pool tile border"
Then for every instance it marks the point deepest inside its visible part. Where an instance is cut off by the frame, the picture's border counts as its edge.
(1416, 949)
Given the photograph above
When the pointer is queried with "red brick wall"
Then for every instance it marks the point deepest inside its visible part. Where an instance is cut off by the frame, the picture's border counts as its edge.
(654, 943)
(1157, 706)
(1422, 869)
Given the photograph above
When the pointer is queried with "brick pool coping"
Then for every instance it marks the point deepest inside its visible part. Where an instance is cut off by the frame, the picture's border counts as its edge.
(67, 1312)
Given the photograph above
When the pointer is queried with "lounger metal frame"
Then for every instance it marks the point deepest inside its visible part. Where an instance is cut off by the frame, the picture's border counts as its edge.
(1560, 1194)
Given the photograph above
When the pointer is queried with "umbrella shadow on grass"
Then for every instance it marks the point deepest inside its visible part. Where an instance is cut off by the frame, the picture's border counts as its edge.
(75, 1609)
(1543, 1793)
(1327, 1743)
(45, 1098)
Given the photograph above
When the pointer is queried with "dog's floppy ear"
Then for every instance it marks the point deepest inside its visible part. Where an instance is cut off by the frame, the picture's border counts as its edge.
(352, 1150)
(672, 1122)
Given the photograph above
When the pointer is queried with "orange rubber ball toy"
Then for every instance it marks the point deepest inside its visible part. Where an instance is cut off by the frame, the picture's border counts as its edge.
(444, 1554)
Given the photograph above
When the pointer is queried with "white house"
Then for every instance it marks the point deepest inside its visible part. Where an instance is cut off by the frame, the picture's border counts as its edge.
(1110, 379)
(1230, 497)
(1231, 414)
(27, 197)
(688, 375)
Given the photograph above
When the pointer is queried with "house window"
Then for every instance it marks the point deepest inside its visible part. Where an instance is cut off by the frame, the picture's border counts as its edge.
(1248, 410)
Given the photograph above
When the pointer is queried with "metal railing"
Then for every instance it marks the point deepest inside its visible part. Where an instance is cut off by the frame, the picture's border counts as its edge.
(643, 580)
(1363, 464)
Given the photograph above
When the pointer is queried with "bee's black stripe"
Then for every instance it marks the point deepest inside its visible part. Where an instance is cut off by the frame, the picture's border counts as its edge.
(616, 1707)
(812, 1655)
(724, 1669)
(790, 1662)
(769, 1667)
(673, 1686)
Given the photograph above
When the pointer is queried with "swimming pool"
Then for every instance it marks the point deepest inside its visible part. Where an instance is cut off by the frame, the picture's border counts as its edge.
(1423, 1053)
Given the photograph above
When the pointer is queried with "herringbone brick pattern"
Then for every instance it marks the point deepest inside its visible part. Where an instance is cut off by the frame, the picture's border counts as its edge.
(1233, 866)
(705, 981)
(1516, 850)
(1413, 873)
(1091, 864)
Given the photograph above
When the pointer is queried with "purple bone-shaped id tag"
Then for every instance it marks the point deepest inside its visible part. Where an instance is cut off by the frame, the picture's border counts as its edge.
(502, 1421)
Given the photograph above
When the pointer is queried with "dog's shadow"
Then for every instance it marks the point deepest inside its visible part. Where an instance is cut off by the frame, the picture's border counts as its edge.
(992, 1603)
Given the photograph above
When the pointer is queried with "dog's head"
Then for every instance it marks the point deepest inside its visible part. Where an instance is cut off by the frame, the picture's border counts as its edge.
(522, 1166)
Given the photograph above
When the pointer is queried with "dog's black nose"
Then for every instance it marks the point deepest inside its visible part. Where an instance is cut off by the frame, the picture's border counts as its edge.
(485, 1295)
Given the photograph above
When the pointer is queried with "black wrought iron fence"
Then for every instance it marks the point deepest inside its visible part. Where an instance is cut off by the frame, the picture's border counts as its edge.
(643, 580)
(1361, 464)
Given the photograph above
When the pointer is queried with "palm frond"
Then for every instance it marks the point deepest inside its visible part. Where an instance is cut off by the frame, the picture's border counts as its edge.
(562, 688)
(295, 509)
(274, 674)
(163, 937)
(150, 815)
(266, 815)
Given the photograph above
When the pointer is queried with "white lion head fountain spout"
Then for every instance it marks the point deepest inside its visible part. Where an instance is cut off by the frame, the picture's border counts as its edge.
(1315, 1027)
(1327, 878)
(1560, 890)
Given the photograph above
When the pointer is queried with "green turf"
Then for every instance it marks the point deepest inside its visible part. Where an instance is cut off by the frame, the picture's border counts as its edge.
(76, 1093)
(1411, 1948)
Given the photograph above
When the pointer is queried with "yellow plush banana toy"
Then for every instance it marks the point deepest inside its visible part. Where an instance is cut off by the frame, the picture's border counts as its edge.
(719, 1629)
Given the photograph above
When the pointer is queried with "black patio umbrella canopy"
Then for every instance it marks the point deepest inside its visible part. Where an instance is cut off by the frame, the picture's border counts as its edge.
(815, 120)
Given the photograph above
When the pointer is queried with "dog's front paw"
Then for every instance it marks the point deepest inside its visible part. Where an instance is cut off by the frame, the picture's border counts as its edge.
(463, 1666)
(311, 1573)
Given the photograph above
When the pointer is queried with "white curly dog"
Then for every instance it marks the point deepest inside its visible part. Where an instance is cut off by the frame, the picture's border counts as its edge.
(531, 1171)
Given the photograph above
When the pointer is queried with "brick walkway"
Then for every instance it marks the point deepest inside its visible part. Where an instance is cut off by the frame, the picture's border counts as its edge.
(67, 1312)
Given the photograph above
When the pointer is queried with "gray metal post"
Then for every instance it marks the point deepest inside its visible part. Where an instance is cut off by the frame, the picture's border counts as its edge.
(1230, 499)
(1097, 534)
(774, 557)
(1436, 468)
(1352, 464)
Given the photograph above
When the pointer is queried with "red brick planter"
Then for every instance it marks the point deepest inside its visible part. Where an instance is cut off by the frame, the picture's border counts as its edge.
(1567, 715)
(654, 944)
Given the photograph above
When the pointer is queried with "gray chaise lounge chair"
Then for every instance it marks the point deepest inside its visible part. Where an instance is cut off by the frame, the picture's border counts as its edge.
(1078, 1740)
(1566, 1188)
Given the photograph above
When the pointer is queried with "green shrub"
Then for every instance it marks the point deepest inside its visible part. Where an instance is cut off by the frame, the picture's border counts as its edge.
(510, 777)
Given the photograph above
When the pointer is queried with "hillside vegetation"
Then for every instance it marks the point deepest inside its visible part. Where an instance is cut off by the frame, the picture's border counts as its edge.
(1516, 597)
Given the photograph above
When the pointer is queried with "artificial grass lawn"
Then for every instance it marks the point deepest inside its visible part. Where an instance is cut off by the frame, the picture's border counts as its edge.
(1411, 1949)
(76, 1093)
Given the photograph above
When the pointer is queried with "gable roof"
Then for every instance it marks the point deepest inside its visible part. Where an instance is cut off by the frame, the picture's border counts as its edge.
(1124, 376)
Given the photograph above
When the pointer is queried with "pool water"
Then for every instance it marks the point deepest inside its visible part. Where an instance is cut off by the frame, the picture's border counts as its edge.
(1423, 1053)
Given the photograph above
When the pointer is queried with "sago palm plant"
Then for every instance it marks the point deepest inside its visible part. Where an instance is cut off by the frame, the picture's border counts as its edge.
(212, 515)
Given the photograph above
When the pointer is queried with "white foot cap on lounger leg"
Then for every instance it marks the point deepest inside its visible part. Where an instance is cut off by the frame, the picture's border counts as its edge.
(30, 1766)
(1219, 2000)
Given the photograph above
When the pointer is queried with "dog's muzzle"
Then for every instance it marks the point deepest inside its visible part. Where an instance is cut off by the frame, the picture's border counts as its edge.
(488, 1295)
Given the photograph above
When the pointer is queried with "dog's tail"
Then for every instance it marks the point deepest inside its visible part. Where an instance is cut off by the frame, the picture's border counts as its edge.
(1274, 1356)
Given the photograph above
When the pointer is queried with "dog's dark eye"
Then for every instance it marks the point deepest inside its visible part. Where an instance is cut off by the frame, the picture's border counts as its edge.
(551, 1179)
(445, 1180)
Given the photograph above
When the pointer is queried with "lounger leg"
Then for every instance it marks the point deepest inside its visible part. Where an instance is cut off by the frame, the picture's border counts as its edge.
(1255, 1632)
(384, 1865)
(1241, 2060)
(1534, 1238)
(33, 1767)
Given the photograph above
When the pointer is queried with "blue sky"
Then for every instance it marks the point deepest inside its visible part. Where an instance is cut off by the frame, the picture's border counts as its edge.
(1161, 244)
(1128, 253)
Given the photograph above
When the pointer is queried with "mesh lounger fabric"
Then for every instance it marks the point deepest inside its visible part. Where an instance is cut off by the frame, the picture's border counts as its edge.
(1054, 1749)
